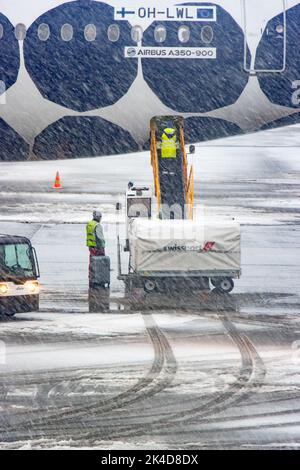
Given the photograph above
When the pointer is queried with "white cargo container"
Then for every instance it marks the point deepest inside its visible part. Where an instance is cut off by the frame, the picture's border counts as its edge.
(184, 246)
(161, 250)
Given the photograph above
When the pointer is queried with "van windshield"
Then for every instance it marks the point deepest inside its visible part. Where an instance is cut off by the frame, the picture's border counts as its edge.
(16, 261)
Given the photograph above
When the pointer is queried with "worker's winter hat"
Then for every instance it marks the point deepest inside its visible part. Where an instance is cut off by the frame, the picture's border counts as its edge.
(97, 215)
(169, 131)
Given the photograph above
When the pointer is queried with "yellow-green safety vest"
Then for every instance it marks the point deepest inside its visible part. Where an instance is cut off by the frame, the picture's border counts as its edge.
(91, 240)
(168, 145)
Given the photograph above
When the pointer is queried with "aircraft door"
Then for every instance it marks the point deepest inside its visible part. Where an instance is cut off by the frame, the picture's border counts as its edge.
(264, 26)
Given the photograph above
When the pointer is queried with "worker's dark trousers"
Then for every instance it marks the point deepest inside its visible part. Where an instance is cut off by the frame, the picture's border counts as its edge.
(94, 252)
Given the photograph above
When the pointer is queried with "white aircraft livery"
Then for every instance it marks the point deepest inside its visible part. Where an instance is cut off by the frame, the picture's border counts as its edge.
(83, 78)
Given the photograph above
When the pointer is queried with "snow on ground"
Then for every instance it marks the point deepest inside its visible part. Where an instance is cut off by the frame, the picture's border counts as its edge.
(237, 177)
(254, 179)
(249, 178)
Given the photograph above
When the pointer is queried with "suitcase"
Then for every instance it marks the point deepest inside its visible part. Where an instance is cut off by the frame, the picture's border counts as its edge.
(100, 271)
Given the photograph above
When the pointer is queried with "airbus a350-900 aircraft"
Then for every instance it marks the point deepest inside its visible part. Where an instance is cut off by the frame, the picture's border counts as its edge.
(83, 78)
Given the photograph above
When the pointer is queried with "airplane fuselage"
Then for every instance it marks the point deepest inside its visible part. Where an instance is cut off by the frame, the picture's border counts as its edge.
(84, 78)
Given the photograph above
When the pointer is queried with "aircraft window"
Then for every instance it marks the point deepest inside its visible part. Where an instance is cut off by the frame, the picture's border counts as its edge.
(280, 29)
(1, 31)
(20, 32)
(160, 33)
(113, 32)
(137, 33)
(207, 34)
(43, 32)
(184, 34)
(67, 32)
(90, 32)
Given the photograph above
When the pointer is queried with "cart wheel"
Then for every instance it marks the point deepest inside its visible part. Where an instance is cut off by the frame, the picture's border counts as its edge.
(150, 286)
(215, 281)
(225, 285)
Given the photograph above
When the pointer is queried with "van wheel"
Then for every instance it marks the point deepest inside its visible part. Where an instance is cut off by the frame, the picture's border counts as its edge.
(150, 286)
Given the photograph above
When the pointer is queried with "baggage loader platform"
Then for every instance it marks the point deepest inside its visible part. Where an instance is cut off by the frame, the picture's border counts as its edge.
(174, 187)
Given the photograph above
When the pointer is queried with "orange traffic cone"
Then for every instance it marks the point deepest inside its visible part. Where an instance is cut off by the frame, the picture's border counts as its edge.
(57, 182)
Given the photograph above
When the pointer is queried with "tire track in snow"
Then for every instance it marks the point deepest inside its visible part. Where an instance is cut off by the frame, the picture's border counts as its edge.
(249, 379)
(160, 375)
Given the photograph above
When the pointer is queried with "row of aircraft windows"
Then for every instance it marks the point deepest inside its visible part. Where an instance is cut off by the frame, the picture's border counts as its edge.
(113, 33)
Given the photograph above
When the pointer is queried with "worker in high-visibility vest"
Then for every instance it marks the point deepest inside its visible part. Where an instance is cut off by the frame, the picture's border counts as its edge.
(169, 144)
(95, 240)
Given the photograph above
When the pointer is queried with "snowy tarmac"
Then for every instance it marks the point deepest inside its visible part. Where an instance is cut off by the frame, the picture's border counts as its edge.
(224, 373)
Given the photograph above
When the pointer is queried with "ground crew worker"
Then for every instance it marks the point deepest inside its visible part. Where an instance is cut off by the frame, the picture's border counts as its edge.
(94, 235)
(169, 144)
